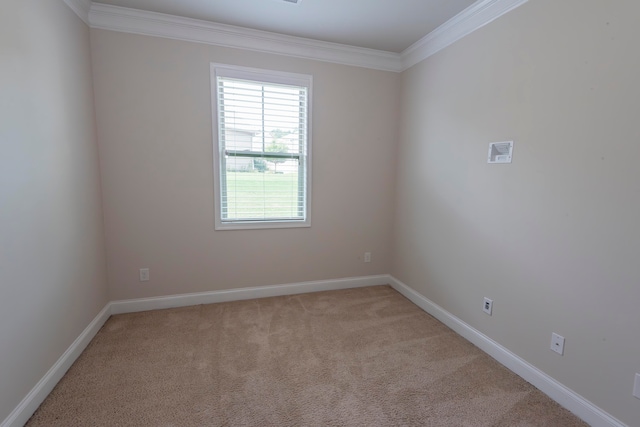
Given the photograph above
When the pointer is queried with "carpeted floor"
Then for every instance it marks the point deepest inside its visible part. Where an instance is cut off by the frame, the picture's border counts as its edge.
(357, 357)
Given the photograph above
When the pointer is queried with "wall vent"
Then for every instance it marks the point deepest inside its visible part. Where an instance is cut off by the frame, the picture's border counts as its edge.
(500, 152)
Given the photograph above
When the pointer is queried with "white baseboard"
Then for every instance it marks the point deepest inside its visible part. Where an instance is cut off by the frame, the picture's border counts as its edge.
(572, 401)
(171, 301)
(21, 414)
(569, 399)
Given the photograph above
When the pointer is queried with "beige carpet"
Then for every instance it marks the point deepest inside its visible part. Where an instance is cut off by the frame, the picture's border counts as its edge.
(358, 357)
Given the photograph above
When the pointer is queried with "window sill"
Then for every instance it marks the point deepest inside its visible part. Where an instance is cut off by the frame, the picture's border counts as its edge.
(258, 225)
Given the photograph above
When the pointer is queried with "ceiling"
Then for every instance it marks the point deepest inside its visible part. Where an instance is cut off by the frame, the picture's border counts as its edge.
(388, 25)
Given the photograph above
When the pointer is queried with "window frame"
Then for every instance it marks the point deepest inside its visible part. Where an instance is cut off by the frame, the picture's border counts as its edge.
(262, 76)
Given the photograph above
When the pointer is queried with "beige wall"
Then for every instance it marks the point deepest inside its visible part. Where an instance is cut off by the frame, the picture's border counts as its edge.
(153, 106)
(52, 261)
(554, 237)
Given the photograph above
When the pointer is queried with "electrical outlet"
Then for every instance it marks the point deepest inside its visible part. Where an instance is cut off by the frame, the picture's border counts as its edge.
(367, 257)
(487, 306)
(636, 386)
(144, 274)
(557, 343)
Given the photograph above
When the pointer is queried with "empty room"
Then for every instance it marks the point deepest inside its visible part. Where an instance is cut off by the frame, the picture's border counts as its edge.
(313, 212)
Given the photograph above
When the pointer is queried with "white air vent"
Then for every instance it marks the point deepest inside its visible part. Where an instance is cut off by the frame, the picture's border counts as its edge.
(500, 152)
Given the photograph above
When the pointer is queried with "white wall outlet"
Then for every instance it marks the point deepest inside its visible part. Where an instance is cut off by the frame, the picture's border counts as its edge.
(367, 257)
(488, 306)
(636, 386)
(144, 274)
(557, 343)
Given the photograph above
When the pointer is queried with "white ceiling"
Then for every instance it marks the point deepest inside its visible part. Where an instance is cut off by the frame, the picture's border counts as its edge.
(388, 25)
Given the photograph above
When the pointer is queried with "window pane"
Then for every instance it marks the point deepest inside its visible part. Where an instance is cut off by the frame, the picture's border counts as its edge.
(262, 188)
(264, 113)
(263, 147)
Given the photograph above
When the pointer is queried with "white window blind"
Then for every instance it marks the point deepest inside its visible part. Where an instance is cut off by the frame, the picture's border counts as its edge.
(263, 148)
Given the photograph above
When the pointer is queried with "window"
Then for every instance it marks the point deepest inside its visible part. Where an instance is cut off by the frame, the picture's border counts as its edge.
(262, 164)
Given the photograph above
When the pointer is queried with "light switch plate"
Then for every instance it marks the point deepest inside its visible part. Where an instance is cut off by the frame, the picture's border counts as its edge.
(636, 386)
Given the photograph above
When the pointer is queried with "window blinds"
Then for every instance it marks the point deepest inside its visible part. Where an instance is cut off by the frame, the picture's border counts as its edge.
(262, 129)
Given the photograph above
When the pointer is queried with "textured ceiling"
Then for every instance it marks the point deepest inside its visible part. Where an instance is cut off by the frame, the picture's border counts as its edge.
(389, 25)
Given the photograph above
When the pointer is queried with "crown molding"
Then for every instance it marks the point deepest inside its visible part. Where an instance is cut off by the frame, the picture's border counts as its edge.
(81, 8)
(476, 16)
(135, 21)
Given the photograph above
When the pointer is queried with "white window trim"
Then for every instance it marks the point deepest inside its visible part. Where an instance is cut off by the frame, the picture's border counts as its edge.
(258, 74)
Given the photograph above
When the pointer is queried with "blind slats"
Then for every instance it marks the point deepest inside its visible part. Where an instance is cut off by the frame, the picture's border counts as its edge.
(262, 131)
